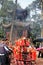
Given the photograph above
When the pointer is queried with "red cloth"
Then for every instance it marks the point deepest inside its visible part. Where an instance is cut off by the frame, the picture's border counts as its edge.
(16, 51)
(27, 43)
(33, 55)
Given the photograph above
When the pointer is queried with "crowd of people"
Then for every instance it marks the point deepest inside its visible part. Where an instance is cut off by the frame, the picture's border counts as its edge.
(11, 53)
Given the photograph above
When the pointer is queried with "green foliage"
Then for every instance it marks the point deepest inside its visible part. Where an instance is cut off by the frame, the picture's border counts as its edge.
(5, 6)
(2, 33)
(35, 31)
(2, 13)
(36, 4)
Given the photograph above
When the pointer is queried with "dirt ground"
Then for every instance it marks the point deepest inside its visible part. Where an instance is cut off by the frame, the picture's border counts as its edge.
(39, 61)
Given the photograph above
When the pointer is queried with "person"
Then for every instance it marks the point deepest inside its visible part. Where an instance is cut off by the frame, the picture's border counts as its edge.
(4, 50)
(40, 51)
(8, 52)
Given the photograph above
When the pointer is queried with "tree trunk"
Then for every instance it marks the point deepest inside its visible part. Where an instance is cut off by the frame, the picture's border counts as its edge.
(11, 32)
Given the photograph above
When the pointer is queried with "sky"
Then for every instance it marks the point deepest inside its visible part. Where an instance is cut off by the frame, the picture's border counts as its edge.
(24, 3)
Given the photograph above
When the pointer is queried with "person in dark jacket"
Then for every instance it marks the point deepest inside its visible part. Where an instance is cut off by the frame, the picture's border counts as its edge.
(4, 51)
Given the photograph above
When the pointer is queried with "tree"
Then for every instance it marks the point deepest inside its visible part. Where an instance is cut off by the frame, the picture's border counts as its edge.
(36, 31)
